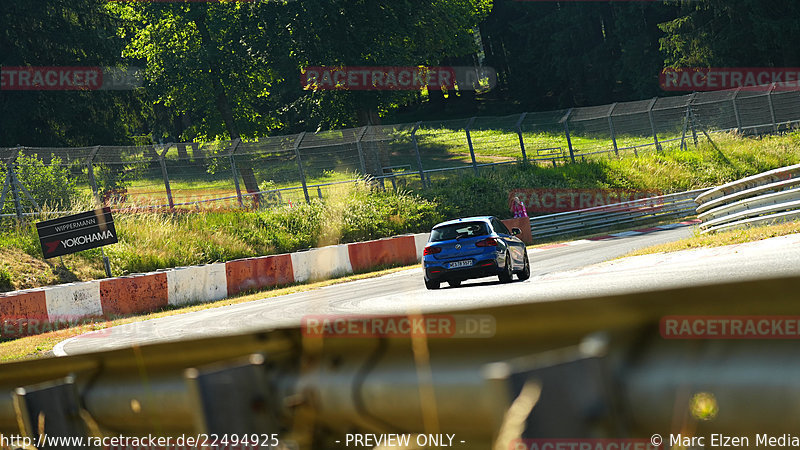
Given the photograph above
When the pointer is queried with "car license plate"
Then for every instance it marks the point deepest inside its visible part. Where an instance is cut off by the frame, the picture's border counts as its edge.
(457, 264)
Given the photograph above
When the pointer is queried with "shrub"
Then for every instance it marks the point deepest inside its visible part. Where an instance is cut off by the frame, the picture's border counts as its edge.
(5, 280)
(50, 185)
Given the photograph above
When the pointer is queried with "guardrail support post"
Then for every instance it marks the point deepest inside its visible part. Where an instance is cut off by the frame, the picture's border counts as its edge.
(653, 123)
(90, 173)
(58, 402)
(297, 143)
(565, 120)
(361, 150)
(611, 129)
(416, 151)
(521, 141)
(772, 107)
(234, 146)
(238, 400)
(736, 111)
(163, 165)
(469, 142)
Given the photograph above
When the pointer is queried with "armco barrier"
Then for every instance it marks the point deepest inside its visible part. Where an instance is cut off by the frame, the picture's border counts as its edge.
(321, 263)
(604, 361)
(258, 273)
(197, 283)
(31, 304)
(764, 198)
(140, 293)
(74, 300)
(671, 206)
(383, 252)
(134, 294)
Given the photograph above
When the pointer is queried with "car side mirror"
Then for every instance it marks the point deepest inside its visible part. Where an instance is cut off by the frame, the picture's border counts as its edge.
(515, 231)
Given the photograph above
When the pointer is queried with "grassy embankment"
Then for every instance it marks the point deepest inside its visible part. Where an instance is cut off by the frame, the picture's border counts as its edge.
(150, 241)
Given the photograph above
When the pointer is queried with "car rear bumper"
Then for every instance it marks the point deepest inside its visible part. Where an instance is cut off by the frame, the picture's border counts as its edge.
(482, 268)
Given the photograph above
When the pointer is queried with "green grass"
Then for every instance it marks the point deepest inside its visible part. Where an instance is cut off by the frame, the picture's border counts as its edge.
(729, 237)
(150, 241)
(353, 212)
(439, 148)
(672, 170)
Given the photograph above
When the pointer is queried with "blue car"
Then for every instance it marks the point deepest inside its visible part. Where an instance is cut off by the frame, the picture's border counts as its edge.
(474, 247)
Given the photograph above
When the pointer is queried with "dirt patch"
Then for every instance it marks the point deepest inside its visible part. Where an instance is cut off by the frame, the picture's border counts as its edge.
(28, 272)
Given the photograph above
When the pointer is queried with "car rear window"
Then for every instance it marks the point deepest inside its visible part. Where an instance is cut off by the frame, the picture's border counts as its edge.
(459, 230)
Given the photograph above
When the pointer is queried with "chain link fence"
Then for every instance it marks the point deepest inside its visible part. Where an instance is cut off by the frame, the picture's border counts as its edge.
(286, 170)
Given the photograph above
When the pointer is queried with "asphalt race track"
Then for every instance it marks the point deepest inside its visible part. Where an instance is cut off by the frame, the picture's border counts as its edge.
(586, 268)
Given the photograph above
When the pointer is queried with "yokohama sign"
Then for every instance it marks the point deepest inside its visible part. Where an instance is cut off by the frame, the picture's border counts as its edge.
(72, 234)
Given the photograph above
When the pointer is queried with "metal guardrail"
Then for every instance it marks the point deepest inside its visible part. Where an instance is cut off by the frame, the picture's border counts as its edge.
(651, 209)
(764, 198)
(599, 363)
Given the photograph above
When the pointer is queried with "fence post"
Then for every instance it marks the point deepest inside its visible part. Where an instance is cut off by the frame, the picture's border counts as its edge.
(653, 123)
(519, 133)
(361, 149)
(471, 149)
(12, 176)
(16, 183)
(611, 129)
(691, 118)
(163, 165)
(90, 173)
(736, 111)
(234, 146)
(565, 120)
(772, 108)
(300, 164)
(6, 183)
(416, 151)
(685, 127)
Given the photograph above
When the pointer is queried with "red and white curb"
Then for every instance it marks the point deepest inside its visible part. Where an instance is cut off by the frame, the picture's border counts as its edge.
(615, 235)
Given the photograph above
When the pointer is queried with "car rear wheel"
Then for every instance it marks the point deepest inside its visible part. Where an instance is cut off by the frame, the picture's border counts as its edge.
(506, 275)
(431, 284)
(525, 273)
(454, 283)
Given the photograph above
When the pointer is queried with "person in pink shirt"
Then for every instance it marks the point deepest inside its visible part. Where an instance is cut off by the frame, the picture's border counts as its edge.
(518, 208)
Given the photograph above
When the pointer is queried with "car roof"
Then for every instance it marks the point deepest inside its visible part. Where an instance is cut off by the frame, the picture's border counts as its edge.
(465, 219)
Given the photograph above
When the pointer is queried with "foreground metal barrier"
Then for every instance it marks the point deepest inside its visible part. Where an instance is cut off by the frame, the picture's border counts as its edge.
(584, 221)
(600, 368)
(767, 197)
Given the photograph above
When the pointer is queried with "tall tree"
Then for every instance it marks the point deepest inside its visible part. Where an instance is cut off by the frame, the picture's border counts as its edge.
(562, 54)
(63, 33)
(733, 33)
(201, 57)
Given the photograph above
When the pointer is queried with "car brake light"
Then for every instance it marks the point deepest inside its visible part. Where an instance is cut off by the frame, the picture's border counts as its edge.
(431, 250)
(488, 242)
